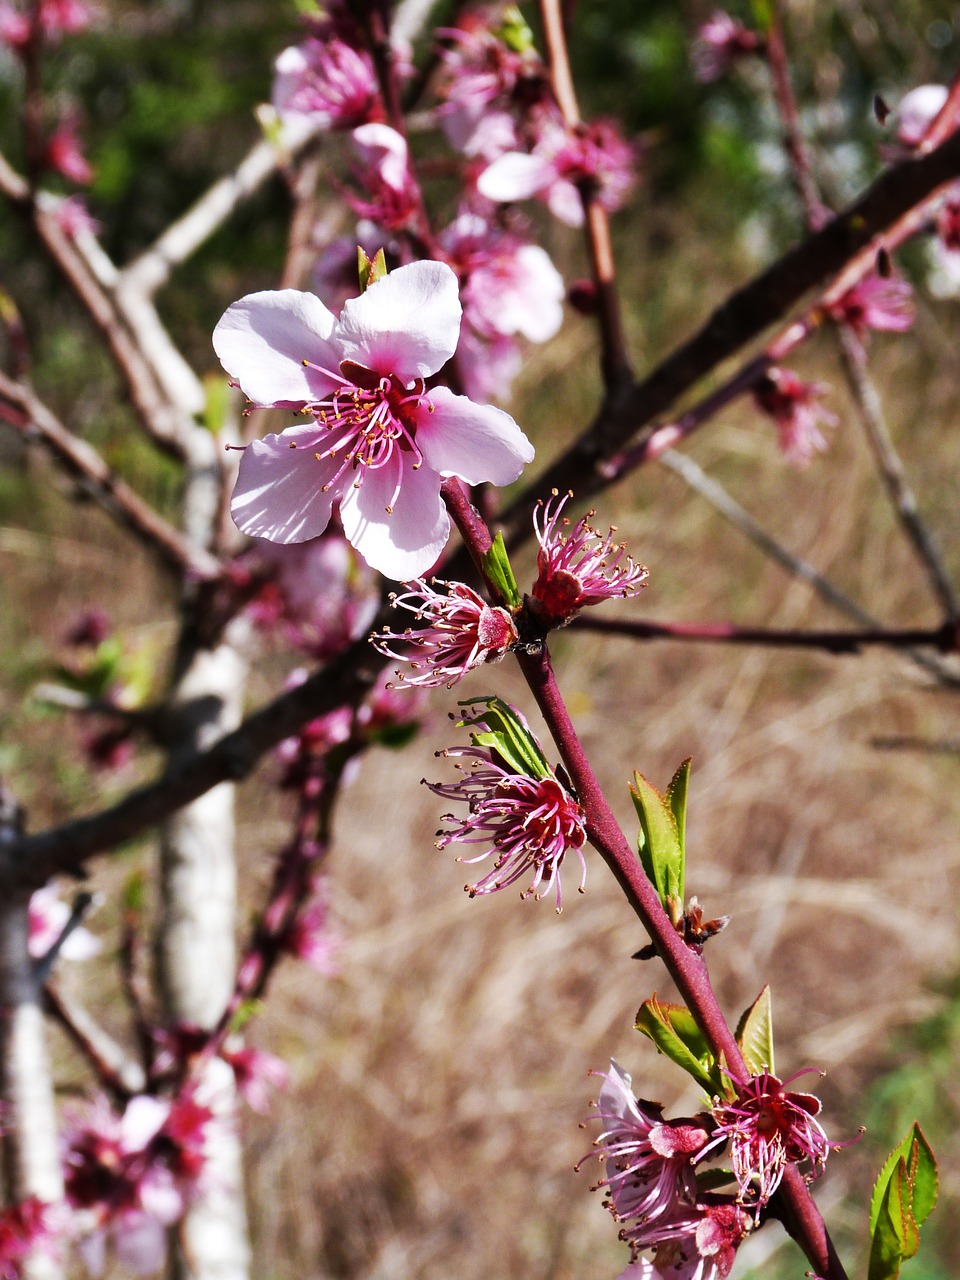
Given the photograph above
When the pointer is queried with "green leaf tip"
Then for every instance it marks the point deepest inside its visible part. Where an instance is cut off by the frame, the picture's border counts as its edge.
(755, 1035)
(496, 565)
(673, 1030)
(507, 734)
(904, 1196)
(370, 269)
(659, 841)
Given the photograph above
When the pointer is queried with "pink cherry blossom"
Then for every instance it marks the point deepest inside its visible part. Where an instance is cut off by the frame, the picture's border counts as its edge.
(380, 442)
(458, 631)
(319, 593)
(389, 195)
(74, 218)
(650, 1182)
(592, 156)
(65, 155)
(312, 937)
(878, 302)
(768, 1128)
(328, 80)
(529, 823)
(56, 18)
(793, 406)
(25, 1226)
(507, 287)
(257, 1074)
(720, 42)
(578, 568)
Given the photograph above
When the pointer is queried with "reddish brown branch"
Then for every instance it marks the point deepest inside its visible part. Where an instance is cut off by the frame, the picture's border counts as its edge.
(945, 638)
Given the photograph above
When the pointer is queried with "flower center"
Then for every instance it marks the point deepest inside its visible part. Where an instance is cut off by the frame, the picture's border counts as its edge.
(367, 420)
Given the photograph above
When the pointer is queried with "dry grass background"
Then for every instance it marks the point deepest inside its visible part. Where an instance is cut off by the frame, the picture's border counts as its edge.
(431, 1126)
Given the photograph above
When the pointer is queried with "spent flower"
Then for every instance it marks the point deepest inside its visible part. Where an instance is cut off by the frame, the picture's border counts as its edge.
(883, 303)
(457, 631)
(529, 820)
(379, 440)
(577, 568)
(794, 407)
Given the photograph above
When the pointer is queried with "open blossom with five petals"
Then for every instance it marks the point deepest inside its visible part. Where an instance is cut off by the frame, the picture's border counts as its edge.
(650, 1182)
(577, 568)
(768, 1127)
(529, 823)
(458, 631)
(379, 440)
(794, 406)
(562, 161)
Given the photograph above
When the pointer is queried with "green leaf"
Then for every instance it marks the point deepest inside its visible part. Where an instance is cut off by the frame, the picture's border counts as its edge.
(904, 1196)
(506, 733)
(135, 893)
(216, 405)
(658, 841)
(673, 1030)
(514, 32)
(370, 270)
(755, 1034)
(762, 15)
(496, 565)
(677, 799)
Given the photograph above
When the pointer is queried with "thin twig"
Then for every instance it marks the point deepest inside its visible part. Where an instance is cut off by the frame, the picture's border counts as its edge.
(37, 422)
(114, 1069)
(728, 507)
(839, 642)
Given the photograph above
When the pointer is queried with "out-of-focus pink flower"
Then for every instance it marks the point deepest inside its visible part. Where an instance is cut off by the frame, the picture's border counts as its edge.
(487, 366)
(491, 72)
(24, 1226)
(47, 917)
(458, 631)
(380, 442)
(388, 194)
(389, 717)
(562, 161)
(948, 224)
(917, 111)
(128, 1177)
(720, 42)
(320, 593)
(650, 1182)
(312, 938)
(578, 568)
(74, 218)
(303, 755)
(64, 153)
(328, 80)
(257, 1074)
(506, 286)
(768, 1127)
(89, 627)
(878, 302)
(57, 18)
(528, 823)
(795, 408)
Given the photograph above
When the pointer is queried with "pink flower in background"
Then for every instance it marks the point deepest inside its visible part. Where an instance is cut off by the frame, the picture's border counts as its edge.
(388, 716)
(594, 155)
(328, 80)
(794, 406)
(47, 916)
(320, 593)
(650, 1183)
(720, 42)
(25, 1226)
(506, 286)
(74, 218)
(129, 1177)
(878, 302)
(57, 18)
(528, 823)
(768, 1128)
(458, 631)
(389, 195)
(578, 568)
(258, 1074)
(490, 73)
(379, 442)
(312, 938)
(64, 153)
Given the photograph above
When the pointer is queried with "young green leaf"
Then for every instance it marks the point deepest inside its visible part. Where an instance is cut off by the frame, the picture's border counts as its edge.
(903, 1197)
(673, 1030)
(755, 1034)
(507, 734)
(370, 269)
(915, 1151)
(677, 799)
(658, 841)
(496, 565)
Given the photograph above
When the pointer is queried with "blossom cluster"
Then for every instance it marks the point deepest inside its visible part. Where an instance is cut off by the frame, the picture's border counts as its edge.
(651, 1184)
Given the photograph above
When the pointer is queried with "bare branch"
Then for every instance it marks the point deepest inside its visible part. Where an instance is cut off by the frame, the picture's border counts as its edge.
(944, 638)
